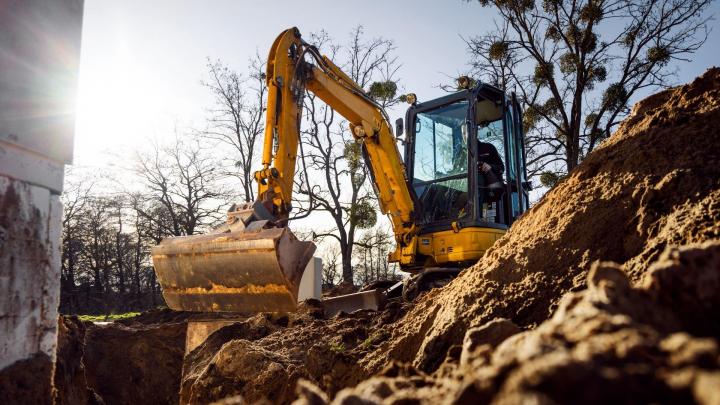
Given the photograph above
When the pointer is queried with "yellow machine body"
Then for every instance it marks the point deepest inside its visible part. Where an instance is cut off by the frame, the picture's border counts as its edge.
(254, 263)
(465, 245)
(446, 247)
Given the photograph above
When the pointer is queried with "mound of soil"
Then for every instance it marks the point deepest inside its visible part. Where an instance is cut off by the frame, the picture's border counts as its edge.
(653, 184)
(264, 356)
(27, 381)
(611, 343)
(340, 289)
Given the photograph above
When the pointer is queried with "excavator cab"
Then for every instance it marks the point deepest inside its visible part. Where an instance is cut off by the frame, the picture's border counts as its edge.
(461, 209)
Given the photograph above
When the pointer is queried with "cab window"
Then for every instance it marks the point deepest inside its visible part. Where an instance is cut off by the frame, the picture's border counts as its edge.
(441, 161)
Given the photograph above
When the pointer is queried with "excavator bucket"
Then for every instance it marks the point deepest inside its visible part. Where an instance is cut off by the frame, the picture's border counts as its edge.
(242, 269)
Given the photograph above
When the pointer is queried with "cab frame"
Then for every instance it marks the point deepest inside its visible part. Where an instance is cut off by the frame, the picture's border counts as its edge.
(515, 198)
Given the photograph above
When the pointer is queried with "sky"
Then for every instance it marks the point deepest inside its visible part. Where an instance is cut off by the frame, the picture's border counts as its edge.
(142, 61)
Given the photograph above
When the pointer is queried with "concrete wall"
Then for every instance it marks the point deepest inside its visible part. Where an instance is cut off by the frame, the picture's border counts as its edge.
(39, 63)
(29, 270)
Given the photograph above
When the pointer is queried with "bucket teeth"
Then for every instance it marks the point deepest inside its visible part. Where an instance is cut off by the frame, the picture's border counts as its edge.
(250, 270)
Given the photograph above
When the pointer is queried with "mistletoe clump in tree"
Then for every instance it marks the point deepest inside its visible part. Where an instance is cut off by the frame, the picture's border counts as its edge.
(577, 64)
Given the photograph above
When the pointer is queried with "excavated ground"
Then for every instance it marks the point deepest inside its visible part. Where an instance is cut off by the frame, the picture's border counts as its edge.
(653, 184)
(610, 343)
(539, 318)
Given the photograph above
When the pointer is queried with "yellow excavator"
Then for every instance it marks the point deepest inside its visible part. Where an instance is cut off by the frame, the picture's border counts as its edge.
(460, 187)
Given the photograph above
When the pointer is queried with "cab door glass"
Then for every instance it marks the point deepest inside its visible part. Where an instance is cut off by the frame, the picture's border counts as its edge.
(511, 157)
(520, 141)
(512, 163)
(441, 142)
(441, 162)
(491, 148)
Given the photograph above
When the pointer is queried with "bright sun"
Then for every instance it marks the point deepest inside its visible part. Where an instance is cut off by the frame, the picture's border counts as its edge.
(118, 105)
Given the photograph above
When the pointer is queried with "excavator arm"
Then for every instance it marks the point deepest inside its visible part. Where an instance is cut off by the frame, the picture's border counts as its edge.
(253, 263)
(288, 75)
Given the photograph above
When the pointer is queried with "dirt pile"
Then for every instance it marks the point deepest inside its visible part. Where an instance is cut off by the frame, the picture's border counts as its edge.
(263, 357)
(340, 289)
(611, 343)
(654, 183)
(27, 381)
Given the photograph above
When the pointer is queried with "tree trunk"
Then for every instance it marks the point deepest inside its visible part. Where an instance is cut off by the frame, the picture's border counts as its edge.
(347, 272)
(153, 285)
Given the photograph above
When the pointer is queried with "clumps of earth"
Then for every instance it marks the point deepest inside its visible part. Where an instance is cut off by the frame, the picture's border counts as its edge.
(607, 290)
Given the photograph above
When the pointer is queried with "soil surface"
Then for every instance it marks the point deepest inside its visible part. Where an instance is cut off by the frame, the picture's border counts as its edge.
(607, 290)
(610, 343)
(69, 383)
(265, 356)
(27, 381)
(132, 365)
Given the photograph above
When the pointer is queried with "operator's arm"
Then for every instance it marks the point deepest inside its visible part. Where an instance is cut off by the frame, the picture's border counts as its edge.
(489, 155)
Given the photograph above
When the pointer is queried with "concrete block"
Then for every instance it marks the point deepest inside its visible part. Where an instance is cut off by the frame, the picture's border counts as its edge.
(311, 282)
(29, 270)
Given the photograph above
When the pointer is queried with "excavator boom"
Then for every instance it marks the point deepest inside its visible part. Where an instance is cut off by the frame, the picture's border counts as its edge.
(254, 263)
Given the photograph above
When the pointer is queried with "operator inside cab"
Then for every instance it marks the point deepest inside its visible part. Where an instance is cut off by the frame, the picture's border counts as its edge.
(488, 116)
(490, 165)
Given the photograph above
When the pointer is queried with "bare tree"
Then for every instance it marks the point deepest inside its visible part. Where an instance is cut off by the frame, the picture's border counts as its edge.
(106, 243)
(237, 120)
(576, 71)
(183, 184)
(331, 261)
(151, 222)
(371, 251)
(74, 198)
(332, 156)
(97, 256)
